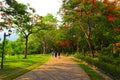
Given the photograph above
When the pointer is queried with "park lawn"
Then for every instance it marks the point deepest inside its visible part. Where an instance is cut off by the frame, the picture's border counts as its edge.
(91, 73)
(16, 65)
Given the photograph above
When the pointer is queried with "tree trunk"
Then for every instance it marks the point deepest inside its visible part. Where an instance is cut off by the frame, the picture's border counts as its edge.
(87, 35)
(26, 47)
(78, 49)
(83, 51)
(90, 46)
(44, 49)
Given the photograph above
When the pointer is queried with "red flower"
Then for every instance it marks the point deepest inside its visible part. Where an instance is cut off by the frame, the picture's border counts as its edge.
(117, 29)
(94, 2)
(110, 17)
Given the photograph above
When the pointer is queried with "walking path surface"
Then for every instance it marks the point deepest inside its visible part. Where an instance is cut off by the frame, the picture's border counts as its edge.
(56, 69)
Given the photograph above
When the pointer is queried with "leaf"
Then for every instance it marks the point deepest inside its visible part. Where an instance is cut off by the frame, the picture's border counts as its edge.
(81, 6)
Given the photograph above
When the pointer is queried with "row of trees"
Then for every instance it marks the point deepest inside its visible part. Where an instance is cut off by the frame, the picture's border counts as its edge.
(86, 24)
(91, 23)
(23, 18)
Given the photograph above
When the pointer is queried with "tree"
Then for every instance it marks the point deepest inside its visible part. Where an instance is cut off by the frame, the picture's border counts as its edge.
(24, 20)
(84, 13)
(28, 25)
(87, 14)
(46, 37)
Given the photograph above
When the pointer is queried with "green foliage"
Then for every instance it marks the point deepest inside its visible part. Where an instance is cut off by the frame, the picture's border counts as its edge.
(107, 50)
(16, 8)
(81, 22)
(49, 18)
(116, 54)
(109, 65)
(0, 49)
(109, 69)
(17, 66)
(33, 47)
(91, 73)
(60, 35)
(19, 9)
(111, 60)
(93, 21)
(14, 47)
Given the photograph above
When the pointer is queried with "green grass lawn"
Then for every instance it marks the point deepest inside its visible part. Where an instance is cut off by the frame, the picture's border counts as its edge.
(16, 65)
(91, 73)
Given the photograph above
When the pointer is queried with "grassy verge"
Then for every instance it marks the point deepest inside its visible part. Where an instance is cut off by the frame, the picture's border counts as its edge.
(92, 74)
(17, 66)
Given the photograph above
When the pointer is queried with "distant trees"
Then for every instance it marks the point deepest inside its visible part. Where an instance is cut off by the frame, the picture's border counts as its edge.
(86, 24)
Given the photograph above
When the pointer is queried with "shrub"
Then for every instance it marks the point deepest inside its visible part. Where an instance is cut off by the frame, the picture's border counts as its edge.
(115, 55)
(110, 60)
(107, 50)
(109, 65)
(105, 58)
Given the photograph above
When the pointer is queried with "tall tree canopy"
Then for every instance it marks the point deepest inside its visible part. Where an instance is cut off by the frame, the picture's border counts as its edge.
(91, 15)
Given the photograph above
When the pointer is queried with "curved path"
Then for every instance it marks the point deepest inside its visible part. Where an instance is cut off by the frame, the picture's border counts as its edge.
(56, 69)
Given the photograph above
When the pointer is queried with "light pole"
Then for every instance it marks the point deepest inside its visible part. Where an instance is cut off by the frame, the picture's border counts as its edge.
(3, 45)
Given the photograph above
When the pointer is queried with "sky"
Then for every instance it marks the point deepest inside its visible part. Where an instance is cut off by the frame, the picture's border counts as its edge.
(42, 7)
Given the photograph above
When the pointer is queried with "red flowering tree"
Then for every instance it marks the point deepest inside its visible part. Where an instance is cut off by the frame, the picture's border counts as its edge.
(63, 43)
(89, 13)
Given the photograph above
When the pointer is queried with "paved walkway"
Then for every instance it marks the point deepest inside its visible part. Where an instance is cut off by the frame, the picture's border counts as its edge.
(56, 69)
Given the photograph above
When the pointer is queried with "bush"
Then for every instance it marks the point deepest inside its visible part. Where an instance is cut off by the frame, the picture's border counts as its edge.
(110, 60)
(105, 58)
(109, 65)
(110, 69)
(107, 50)
(78, 55)
(115, 55)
